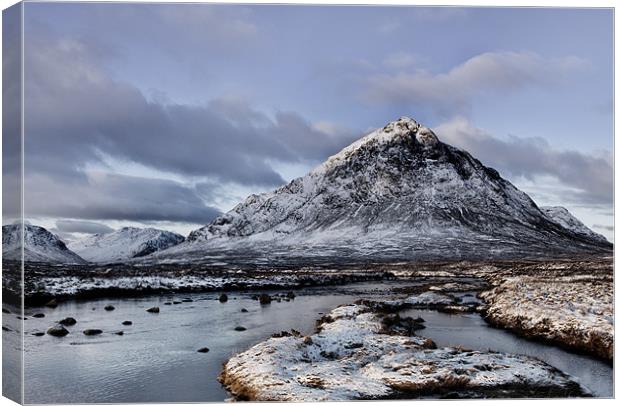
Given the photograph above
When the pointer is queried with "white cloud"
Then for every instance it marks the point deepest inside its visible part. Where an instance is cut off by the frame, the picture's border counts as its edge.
(484, 73)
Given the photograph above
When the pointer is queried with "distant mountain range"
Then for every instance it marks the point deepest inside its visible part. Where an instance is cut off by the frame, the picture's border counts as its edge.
(40, 245)
(398, 193)
(124, 244)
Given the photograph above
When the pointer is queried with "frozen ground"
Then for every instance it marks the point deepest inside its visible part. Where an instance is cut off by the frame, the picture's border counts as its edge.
(358, 352)
(567, 303)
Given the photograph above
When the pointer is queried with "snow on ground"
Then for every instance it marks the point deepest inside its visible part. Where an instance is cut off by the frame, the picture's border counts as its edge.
(575, 311)
(354, 355)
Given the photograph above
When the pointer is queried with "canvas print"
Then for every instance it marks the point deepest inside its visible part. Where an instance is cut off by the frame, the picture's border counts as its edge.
(269, 202)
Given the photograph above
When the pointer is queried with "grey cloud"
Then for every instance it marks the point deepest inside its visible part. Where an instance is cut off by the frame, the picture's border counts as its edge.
(81, 226)
(115, 197)
(591, 176)
(224, 139)
(454, 90)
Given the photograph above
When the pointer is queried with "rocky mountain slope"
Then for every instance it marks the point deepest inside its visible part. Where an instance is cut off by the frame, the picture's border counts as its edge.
(123, 244)
(564, 218)
(397, 193)
(39, 245)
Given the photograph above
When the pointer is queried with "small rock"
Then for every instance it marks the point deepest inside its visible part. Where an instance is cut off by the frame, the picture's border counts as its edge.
(4, 328)
(22, 318)
(419, 320)
(38, 334)
(92, 332)
(52, 303)
(127, 323)
(244, 310)
(203, 349)
(223, 298)
(153, 309)
(168, 303)
(68, 321)
(264, 299)
(5, 311)
(109, 308)
(38, 315)
(119, 333)
(176, 302)
(308, 340)
(290, 295)
(187, 300)
(57, 331)
(240, 328)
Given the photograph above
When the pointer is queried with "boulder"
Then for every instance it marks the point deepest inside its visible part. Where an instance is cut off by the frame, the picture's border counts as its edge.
(57, 331)
(68, 321)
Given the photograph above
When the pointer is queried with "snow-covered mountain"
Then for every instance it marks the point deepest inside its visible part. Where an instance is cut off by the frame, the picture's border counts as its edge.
(564, 218)
(123, 244)
(398, 192)
(39, 245)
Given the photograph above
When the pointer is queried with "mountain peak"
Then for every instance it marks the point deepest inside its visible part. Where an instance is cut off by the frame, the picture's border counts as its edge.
(408, 128)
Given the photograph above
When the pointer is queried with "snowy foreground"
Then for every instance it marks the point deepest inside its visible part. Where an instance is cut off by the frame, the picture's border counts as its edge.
(363, 351)
(568, 304)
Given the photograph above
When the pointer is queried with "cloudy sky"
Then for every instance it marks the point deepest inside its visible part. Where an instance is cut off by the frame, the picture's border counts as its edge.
(166, 115)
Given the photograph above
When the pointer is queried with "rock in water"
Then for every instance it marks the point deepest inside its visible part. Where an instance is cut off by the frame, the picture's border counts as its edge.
(109, 308)
(264, 299)
(397, 193)
(68, 321)
(223, 298)
(52, 303)
(203, 350)
(57, 331)
(153, 310)
(92, 332)
(127, 323)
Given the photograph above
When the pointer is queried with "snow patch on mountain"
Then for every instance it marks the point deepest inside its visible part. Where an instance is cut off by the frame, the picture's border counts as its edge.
(39, 245)
(564, 218)
(123, 244)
